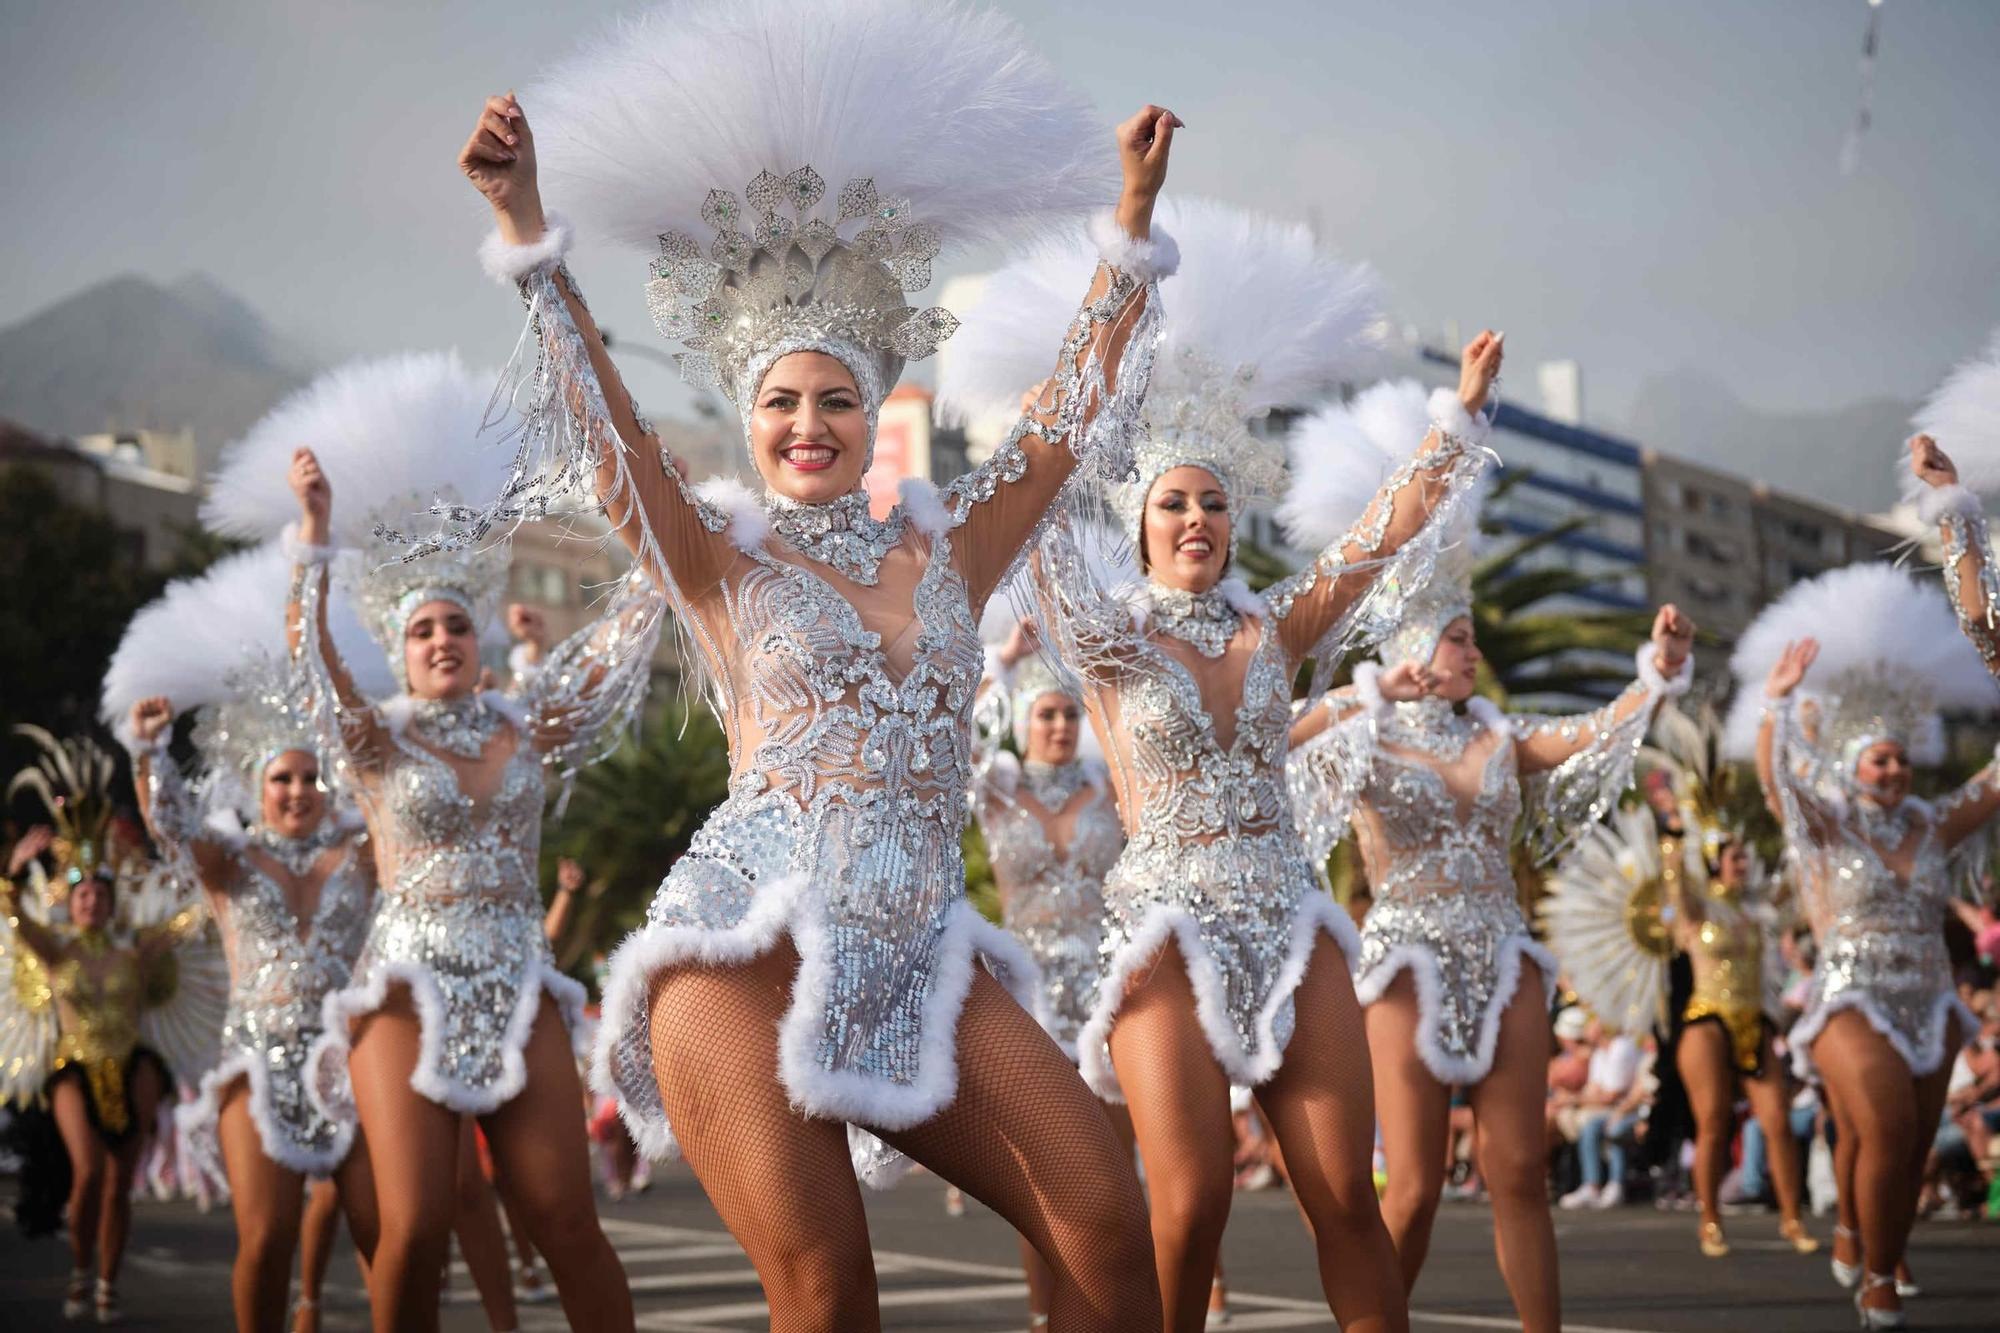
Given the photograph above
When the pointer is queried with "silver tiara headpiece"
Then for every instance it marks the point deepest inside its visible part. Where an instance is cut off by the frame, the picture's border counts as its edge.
(780, 277)
(1196, 416)
(1866, 705)
(399, 573)
(268, 712)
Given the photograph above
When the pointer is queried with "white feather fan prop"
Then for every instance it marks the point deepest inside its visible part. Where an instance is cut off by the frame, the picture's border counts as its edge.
(941, 104)
(184, 643)
(390, 434)
(1341, 455)
(1255, 298)
(187, 991)
(1889, 645)
(1963, 416)
(1601, 917)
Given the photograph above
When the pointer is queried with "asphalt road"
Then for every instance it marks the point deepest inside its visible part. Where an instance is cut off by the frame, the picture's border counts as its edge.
(1625, 1271)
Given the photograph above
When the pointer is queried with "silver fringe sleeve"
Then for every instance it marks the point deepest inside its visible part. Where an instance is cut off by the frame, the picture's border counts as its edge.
(589, 687)
(1967, 535)
(1579, 792)
(1398, 576)
(1325, 777)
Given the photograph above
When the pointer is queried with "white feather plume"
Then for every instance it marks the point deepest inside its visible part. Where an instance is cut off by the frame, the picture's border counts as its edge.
(1963, 416)
(1867, 615)
(940, 103)
(1341, 455)
(1251, 293)
(184, 642)
(387, 431)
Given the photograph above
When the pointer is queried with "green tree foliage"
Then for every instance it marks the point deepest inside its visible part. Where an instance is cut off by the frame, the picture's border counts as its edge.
(629, 818)
(73, 581)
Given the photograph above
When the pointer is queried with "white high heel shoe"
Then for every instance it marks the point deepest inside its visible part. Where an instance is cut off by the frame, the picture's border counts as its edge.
(1874, 1319)
(1845, 1274)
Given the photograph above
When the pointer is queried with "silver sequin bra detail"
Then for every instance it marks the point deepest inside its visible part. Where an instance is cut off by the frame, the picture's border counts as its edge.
(1882, 944)
(1205, 620)
(840, 533)
(1051, 894)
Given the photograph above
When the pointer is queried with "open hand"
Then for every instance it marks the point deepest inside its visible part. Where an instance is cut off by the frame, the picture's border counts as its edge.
(569, 875)
(150, 717)
(1023, 640)
(32, 844)
(499, 160)
(1791, 668)
(1673, 638)
(1930, 464)
(1478, 367)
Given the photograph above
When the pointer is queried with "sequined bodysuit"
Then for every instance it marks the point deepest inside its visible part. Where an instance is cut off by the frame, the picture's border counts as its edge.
(1727, 949)
(281, 967)
(456, 828)
(1196, 724)
(97, 986)
(842, 656)
(1433, 796)
(1881, 879)
(1051, 882)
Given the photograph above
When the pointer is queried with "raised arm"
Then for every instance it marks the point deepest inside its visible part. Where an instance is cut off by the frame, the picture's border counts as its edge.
(169, 809)
(1785, 762)
(580, 419)
(569, 879)
(35, 936)
(1353, 592)
(1968, 810)
(1969, 576)
(1088, 408)
(341, 707)
(1665, 669)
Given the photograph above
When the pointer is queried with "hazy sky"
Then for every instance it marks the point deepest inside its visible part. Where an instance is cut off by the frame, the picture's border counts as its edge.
(1644, 187)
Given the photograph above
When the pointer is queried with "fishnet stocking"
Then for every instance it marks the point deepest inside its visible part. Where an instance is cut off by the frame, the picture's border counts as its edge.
(1023, 1136)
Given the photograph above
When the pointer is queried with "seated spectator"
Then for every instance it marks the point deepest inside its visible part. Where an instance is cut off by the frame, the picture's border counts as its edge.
(1609, 1111)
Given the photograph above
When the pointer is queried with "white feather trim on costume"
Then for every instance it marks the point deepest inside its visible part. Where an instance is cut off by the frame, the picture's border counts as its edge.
(942, 105)
(508, 263)
(1923, 1059)
(783, 908)
(1158, 256)
(1448, 414)
(201, 1118)
(1870, 615)
(1460, 1071)
(923, 507)
(1963, 416)
(1656, 682)
(1934, 502)
(1317, 913)
(326, 1065)
(749, 525)
(184, 643)
(388, 432)
(301, 552)
(1485, 712)
(1368, 686)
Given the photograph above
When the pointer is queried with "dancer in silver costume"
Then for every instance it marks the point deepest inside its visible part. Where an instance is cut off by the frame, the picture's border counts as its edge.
(289, 881)
(812, 959)
(1214, 971)
(1882, 1017)
(455, 1006)
(1052, 832)
(1432, 781)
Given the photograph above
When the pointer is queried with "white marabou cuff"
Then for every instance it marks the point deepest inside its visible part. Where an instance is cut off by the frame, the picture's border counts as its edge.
(508, 263)
(1156, 257)
(301, 552)
(1936, 502)
(1450, 417)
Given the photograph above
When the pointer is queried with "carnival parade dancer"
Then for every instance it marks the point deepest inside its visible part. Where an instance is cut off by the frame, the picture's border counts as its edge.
(1963, 414)
(1052, 833)
(1628, 896)
(811, 959)
(1432, 781)
(1881, 1018)
(1213, 965)
(289, 880)
(120, 1012)
(455, 1007)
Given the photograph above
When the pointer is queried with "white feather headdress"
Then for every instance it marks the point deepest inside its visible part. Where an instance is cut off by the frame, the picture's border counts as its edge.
(216, 643)
(863, 136)
(1258, 317)
(1341, 455)
(1963, 416)
(1891, 660)
(392, 435)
